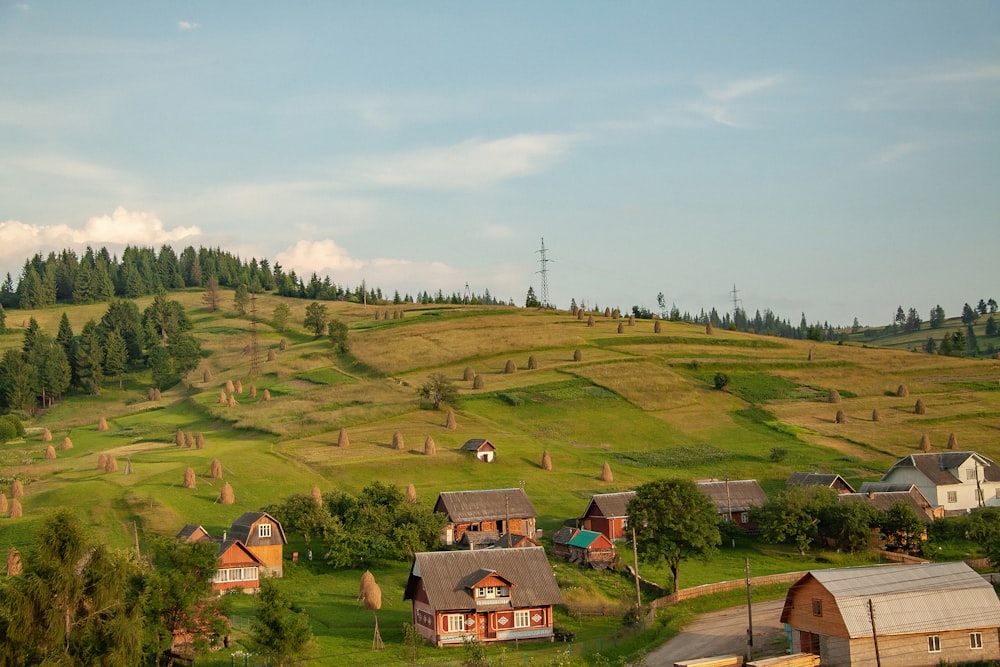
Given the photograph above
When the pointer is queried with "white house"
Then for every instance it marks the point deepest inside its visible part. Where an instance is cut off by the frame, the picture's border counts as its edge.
(955, 481)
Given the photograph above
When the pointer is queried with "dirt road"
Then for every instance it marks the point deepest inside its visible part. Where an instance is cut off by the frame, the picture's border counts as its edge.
(725, 633)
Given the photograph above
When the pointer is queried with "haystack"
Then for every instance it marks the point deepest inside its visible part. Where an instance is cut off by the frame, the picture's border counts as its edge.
(15, 510)
(342, 439)
(102, 461)
(317, 496)
(102, 424)
(206, 375)
(239, 387)
(267, 395)
(190, 481)
(50, 452)
(271, 356)
(810, 357)
(215, 469)
(590, 321)
(876, 415)
(226, 495)
(621, 328)
(128, 467)
(469, 374)
(282, 344)
(479, 382)
(17, 489)
(199, 441)
(657, 327)
(920, 408)
(157, 395)
(833, 396)
(709, 329)
(179, 438)
(841, 417)
(253, 391)
(579, 314)
(222, 397)
(189, 439)
(66, 444)
(14, 563)
(606, 474)
(232, 400)
(397, 441)
(429, 447)
(577, 355)
(449, 422)
(378, 315)
(546, 460)
(902, 391)
(367, 580)
(411, 494)
(230, 387)
(532, 363)
(4, 506)
(111, 465)
(952, 441)
(607, 311)
(46, 435)
(631, 320)
(510, 367)
(925, 443)
(150, 394)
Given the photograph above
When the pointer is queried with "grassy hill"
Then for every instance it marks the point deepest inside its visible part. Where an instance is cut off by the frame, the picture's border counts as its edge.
(642, 401)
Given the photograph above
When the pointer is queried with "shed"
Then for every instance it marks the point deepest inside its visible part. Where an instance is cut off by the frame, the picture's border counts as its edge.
(484, 449)
(829, 480)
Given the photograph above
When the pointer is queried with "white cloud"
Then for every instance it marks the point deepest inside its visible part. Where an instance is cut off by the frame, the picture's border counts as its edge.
(22, 6)
(892, 154)
(494, 231)
(966, 74)
(470, 164)
(122, 227)
(187, 25)
(744, 87)
(321, 257)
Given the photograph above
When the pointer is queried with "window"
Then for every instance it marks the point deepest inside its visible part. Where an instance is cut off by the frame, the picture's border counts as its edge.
(970, 474)
(456, 622)
(522, 619)
(996, 493)
(492, 592)
(975, 640)
(264, 530)
(817, 606)
(235, 574)
(953, 496)
(745, 517)
(934, 644)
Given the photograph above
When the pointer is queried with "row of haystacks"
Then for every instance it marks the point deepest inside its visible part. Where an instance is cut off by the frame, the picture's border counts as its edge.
(12, 508)
(384, 315)
(227, 496)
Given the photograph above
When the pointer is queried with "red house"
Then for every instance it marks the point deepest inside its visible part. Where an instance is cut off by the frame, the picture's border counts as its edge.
(607, 514)
(493, 511)
(489, 595)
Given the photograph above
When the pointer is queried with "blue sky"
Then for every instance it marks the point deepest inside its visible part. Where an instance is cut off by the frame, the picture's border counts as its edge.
(836, 159)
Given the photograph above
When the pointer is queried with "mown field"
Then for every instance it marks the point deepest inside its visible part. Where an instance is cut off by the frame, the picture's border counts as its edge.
(641, 401)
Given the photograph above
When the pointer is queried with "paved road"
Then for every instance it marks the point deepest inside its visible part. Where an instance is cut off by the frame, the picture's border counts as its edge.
(725, 633)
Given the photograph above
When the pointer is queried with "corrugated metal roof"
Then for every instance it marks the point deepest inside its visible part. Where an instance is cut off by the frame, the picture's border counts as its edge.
(880, 487)
(611, 505)
(474, 444)
(446, 576)
(937, 466)
(884, 500)
(485, 505)
(934, 597)
(736, 494)
(242, 528)
(583, 539)
(816, 479)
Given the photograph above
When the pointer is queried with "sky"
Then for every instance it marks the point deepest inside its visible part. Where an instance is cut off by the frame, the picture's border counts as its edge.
(836, 160)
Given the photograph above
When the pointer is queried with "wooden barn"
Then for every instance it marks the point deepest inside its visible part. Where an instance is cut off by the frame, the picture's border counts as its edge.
(498, 511)
(584, 547)
(829, 480)
(491, 595)
(483, 449)
(734, 498)
(264, 536)
(917, 615)
(607, 513)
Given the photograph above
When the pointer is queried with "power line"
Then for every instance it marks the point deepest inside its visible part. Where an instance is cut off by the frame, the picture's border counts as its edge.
(544, 271)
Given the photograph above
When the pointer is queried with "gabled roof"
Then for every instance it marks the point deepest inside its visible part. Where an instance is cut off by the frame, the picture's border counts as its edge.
(736, 494)
(884, 500)
(933, 597)
(881, 487)
(564, 535)
(485, 505)
(226, 545)
(937, 466)
(817, 479)
(242, 527)
(610, 505)
(192, 533)
(446, 576)
(475, 444)
(584, 539)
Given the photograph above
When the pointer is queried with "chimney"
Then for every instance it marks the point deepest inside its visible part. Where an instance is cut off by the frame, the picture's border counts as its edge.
(223, 536)
(871, 495)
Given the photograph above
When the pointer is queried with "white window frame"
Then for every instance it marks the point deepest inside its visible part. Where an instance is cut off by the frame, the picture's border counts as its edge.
(975, 640)
(455, 622)
(522, 618)
(953, 496)
(971, 474)
(234, 574)
(264, 530)
(745, 517)
(933, 643)
(491, 592)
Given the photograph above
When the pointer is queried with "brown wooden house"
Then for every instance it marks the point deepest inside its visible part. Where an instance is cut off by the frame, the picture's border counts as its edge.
(607, 513)
(238, 567)
(490, 595)
(734, 499)
(584, 547)
(921, 616)
(484, 449)
(491, 510)
(264, 536)
(829, 480)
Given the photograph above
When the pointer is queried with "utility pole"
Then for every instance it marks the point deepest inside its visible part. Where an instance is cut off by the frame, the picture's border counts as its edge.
(871, 615)
(737, 302)
(254, 356)
(544, 271)
(749, 611)
(635, 566)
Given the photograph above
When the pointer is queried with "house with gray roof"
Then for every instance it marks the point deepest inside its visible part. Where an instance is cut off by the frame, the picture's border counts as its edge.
(916, 615)
(734, 499)
(490, 595)
(484, 450)
(498, 511)
(957, 482)
(829, 480)
(607, 513)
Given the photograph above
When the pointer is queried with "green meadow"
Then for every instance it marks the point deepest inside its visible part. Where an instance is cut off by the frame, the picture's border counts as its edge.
(641, 401)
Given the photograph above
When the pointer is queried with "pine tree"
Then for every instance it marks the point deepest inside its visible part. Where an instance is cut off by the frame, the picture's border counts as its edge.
(115, 356)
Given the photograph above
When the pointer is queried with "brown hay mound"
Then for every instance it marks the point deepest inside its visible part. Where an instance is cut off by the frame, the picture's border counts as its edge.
(232, 400)
(479, 382)
(373, 597)
(833, 396)
(230, 388)
(206, 375)
(657, 327)
(267, 395)
(14, 563)
(468, 375)
(188, 439)
(631, 320)
(429, 447)
(102, 424)
(222, 398)
(46, 435)
(621, 328)
(450, 423)
(4, 506)
(577, 355)
(920, 408)
(253, 391)
(50, 452)
(902, 391)
(150, 394)
(810, 357)
(510, 367)
(378, 315)
(411, 493)
(157, 395)
(579, 314)
(841, 417)
(66, 444)
(397, 441)
(179, 438)
(15, 510)
(532, 363)
(952, 441)
(111, 465)
(190, 481)
(590, 321)
(546, 460)
(17, 489)
(215, 469)
(199, 441)
(607, 311)
(282, 344)
(342, 439)
(226, 495)
(606, 474)
(876, 416)
(709, 329)
(925, 443)
(367, 579)
(239, 387)
(271, 356)
(102, 461)
(317, 496)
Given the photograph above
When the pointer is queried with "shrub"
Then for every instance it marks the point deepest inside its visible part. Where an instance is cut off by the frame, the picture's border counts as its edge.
(7, 431)
(510, 399)
(721, 381)
(14, 423)
(778, 454)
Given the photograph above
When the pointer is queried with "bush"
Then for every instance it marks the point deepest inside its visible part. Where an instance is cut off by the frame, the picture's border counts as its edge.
(778, 454)
(15, 423)
(510, 399)
(7, 431)
(721, 381)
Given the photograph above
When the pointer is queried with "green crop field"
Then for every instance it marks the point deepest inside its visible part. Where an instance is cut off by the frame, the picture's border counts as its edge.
(642, 402)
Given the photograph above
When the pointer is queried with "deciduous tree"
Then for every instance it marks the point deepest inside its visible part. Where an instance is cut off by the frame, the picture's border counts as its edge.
(315, 320)
(439, 389)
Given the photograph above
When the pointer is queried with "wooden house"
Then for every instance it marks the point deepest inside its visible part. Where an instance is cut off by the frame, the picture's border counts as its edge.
(238, 567)
(264, 536)
(884, 498)
(497, 510)
(955, 481)
(584, 547)
(734, 499)
(917, 615)
(829, 480)
(607, 513)
(483, 449)
(490, 595)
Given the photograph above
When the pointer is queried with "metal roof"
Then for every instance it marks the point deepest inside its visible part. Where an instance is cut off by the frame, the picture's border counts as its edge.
(242, 528)
(485, 505)
(932, 597)
(938, 466)
(448, 575)
(610, 505)
(584, 539)
(816, 479)
(884, 500)
(474, 444)
(736, 494)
